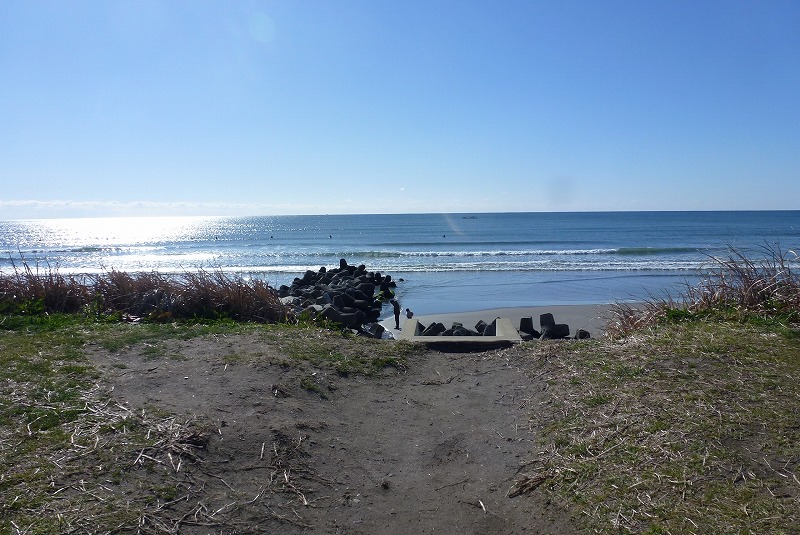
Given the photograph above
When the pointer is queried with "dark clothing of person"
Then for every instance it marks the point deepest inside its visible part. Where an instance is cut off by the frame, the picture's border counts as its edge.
(396, 306)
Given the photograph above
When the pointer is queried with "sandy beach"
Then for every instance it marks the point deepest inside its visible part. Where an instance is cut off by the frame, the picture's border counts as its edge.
(591, 318)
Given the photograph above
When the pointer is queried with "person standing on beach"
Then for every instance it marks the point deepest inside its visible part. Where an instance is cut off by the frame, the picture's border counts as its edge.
(396, 305)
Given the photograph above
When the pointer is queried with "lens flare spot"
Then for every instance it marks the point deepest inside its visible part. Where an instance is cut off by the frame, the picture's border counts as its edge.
(262, 27)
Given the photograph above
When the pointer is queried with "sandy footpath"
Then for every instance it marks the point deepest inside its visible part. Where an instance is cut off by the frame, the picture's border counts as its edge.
(432, 448)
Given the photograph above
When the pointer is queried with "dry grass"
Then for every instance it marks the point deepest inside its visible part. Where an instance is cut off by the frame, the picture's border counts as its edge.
(765, 286)
(31, 291)
(690, 429)
(72, 459)
(82, 475)
(154, 296)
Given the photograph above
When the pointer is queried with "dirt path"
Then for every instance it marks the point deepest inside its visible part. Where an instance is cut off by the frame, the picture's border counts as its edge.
(432, 449)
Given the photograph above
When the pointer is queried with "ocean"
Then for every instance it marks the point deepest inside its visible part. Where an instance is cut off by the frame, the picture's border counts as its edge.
(443, 262)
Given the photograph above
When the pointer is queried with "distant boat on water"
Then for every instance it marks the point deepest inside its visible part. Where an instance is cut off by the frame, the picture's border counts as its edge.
(469, 217)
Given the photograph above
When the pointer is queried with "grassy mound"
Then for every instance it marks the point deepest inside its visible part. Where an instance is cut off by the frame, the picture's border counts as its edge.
(692, 428)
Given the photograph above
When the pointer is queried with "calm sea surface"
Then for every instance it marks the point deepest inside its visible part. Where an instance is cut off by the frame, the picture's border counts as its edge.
(448, 262)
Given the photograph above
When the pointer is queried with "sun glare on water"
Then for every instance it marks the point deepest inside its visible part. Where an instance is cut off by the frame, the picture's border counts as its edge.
(121, 230)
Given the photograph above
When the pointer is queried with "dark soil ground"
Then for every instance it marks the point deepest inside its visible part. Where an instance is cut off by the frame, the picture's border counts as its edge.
(433, 448)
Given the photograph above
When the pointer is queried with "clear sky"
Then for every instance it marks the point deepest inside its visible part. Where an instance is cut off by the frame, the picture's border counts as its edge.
(378, 106)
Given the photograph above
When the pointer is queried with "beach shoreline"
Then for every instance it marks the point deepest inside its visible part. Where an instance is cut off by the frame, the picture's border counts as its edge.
(592, 318)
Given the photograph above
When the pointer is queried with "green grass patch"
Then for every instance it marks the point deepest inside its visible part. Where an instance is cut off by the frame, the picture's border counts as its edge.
(116, 337)
(310, 384)
(338, 350)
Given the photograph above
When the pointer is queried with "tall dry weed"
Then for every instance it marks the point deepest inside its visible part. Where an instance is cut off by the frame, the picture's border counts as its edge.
(737, 285)
(35, 289)
(201, 294)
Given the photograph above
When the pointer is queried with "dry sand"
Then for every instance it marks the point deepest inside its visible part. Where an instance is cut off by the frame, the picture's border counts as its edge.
(591, 318)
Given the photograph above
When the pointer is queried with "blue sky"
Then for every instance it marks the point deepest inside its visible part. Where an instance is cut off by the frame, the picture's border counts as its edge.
(373, 106)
